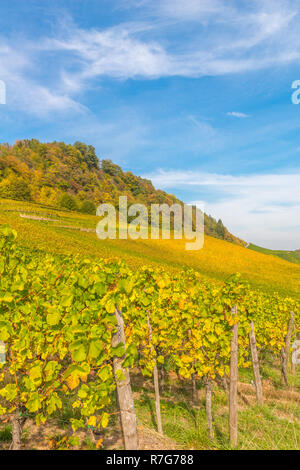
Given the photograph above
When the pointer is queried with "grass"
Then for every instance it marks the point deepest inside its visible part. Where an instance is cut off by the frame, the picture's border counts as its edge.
(5, 433)
(217, 260)
(275, 426)
(291, 256)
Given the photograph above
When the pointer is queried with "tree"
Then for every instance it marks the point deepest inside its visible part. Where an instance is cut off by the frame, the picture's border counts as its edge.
(110, 168)
(220, 229)
(68, 202)
(88, 153)
(15, 187)
(88, 207)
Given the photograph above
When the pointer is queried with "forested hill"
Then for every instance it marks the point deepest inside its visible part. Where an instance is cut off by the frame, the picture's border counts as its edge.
(73, 177)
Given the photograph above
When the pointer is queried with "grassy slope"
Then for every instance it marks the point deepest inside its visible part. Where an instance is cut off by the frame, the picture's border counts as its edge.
(291, 256)
(217, 259)
(273, 426)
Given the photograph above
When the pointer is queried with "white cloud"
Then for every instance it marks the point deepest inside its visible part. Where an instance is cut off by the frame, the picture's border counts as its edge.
(205, 129)
(263, 209)
(26, 93)
(229, 38)
(129, 50)
(237, 114)
(116, 52)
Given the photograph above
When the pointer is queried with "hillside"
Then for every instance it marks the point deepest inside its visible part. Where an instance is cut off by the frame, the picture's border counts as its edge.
(50, 193)
(59, 231)
(73, 177)
(291, 256)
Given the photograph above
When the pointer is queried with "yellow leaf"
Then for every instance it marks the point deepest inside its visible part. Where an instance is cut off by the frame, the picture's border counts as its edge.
(104, 420)
(72, 381)
(99, 442)
(92, 421)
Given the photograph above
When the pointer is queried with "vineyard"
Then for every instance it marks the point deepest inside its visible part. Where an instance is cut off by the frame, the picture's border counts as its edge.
(75, 330)
(71, 233)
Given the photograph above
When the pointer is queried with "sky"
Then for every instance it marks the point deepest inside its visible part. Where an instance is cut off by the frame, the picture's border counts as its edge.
(194, 94)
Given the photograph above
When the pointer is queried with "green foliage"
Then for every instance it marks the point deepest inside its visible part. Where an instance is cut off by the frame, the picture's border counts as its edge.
(68, 202)
(220, 229)
(110, 168)
(88, 154)
(15, 187)
(88, 207)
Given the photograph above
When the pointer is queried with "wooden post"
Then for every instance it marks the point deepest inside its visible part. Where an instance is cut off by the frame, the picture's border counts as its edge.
(124, 392)
(208, 393)
(16, 431)
(293, 364)
(255, 365)
(156, 384)
(162, 376)
(233, 408)
(194, 386)
(286, 350)
(157, 399)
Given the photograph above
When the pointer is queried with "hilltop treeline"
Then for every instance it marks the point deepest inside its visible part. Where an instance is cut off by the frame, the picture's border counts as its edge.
(74, 178)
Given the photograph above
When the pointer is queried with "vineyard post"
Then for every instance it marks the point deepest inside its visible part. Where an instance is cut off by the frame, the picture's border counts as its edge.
(286, 350)
(194, 380)
(156, 384)
(233, 413)
(162, 376)
(208, 393)
(124, 392)
(194, 386)
(16, 431)
(255, 365)
(293, 364)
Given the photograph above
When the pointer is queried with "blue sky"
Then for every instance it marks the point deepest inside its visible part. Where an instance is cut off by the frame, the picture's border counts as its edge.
(195, 94)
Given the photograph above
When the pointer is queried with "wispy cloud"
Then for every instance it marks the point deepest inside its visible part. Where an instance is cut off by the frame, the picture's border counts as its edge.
(263, 209)
(115, 52)
(203, 127)
(237, 114)
(228, 39)
(25, 91)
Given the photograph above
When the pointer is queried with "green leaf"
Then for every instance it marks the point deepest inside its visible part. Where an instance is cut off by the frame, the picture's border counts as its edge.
(67, 301)
(110, 306)
(34, 403)
(119, 350)
(105, 373)
(79, 355)
(53, 318)
(95, 348)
